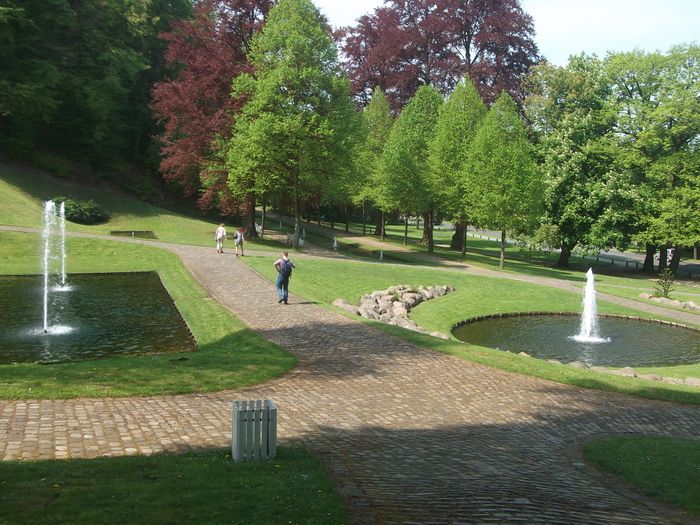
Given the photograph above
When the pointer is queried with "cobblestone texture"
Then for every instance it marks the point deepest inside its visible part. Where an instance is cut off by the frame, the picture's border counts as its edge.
(412, 436)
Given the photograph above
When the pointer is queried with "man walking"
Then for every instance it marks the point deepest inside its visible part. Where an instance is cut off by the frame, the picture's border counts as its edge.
(219, 237)
(284, 271)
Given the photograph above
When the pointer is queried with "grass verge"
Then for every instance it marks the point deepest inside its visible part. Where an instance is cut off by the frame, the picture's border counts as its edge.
(474, 295)
(663, 468)
(229, 355)
(196, 487)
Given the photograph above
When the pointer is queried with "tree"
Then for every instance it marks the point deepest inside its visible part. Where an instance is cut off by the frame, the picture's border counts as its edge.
(658, 124)
(404, 165)
(204, 55)
(455, 129)
(296, 129)
(377, 121)
(502, 182)
(75, 77)
(569, 110)
(408, 43)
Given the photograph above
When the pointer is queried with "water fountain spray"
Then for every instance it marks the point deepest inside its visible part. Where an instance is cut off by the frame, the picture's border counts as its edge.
(49, 220)
(588, 330)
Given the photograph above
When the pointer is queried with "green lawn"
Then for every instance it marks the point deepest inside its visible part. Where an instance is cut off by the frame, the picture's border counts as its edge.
(663, 468)
(325, 280)
(229, 355)
(196, 487)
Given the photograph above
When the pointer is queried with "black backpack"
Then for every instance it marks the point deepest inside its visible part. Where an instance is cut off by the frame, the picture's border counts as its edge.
(286, 268)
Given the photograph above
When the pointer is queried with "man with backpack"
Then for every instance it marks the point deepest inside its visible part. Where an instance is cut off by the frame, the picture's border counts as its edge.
(284, 271)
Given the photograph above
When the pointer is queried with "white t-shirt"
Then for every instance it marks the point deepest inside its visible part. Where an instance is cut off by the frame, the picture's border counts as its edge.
(220, 233)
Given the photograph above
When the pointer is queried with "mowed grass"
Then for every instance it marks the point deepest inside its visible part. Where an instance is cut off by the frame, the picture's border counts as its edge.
(229, 355)
(196, 488)
(324, 280)
(663, 468)
(22, 192)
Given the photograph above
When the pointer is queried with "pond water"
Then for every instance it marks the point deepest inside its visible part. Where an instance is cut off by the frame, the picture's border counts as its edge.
(96, 316)
(631, 342)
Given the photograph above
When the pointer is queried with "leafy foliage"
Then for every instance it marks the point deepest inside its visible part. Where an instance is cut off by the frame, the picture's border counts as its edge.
(664, 283)
(204, 55)
(83, 212)
(295, 134)
(408, 43)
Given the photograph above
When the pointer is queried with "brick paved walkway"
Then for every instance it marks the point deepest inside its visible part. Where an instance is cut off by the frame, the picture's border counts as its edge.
(412, 436)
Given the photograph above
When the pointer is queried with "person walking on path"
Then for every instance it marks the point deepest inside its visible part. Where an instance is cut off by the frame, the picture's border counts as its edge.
(284, 268)
(238, 240)
(219, 237)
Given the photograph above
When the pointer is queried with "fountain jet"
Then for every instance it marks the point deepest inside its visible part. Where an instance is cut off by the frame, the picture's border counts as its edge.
(588, 330)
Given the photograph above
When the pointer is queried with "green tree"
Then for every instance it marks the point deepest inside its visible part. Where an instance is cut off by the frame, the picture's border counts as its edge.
(573, 121)
(296, 130)
(658, 124)
(377, 123)
(455, 129)
(404, 169)
(501, 178)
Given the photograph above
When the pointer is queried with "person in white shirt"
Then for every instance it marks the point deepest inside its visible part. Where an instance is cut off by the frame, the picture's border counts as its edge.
(219, 237)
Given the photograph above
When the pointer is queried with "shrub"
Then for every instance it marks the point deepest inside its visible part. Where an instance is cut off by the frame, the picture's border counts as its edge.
(664, 284)
(83, 212)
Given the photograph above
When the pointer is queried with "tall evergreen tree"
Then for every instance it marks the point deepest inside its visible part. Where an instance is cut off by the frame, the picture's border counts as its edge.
(455, 129)
(404, 167)
(501, 178)
(296, 130)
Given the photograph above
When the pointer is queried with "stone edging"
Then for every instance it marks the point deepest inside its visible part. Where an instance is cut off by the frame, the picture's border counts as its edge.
(624, 372)
(391, 306)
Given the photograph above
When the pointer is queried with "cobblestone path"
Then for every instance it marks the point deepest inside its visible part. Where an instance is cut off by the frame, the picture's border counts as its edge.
(412, 436)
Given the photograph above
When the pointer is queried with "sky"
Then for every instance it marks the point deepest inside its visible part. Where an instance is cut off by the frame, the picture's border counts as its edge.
(565, 27)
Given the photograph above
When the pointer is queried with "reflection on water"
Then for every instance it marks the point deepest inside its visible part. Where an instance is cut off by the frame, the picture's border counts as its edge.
(631, 342)
(98, 315)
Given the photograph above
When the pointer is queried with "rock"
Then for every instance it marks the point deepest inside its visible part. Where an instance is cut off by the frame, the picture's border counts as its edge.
(440, 335)
(368, 313)
(578, 364)
(693, 381)
(399, 309)
(342, 304)
(624, 372)
(554, 361)
(673, 380)
(599, 369)
(646, 296)
(650, 377)
(524, 354)
(410, 299)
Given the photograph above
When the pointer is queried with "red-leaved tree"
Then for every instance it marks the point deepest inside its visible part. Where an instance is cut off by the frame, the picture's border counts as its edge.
(195, 106)
(407, 43)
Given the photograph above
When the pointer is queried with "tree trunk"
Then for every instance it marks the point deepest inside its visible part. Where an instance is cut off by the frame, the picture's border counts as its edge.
(464, 241)
(649, 259)
(347, 220)
(249, 218)
(264, 216)
(428, 229)
(405, 230)
(695, 251)
(382, 218)
(364, 219)
(663, 258)
(564, 255)
(458, 236)
(675, 260)
(503, 250)
(319, 215)
(297, 223)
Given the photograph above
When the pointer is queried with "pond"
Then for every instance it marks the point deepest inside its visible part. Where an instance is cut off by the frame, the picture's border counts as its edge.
(95, 316)
(631, 342)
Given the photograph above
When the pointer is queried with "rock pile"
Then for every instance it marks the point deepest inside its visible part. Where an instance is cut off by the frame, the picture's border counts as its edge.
(391, 306)
(688, 305)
